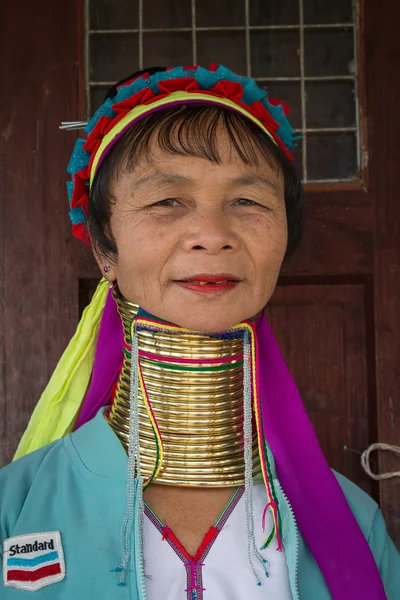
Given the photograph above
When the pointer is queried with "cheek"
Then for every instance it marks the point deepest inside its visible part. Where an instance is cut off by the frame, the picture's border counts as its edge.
(142, 252)
(267, 241)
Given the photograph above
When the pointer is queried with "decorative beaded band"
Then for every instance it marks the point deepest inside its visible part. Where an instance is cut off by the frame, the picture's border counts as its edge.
(144, 94)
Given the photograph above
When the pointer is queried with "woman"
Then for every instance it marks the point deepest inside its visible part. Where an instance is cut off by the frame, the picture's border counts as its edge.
(193, 471)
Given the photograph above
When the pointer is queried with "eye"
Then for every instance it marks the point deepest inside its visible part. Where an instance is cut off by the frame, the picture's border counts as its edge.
(246, 202)
(166, 203)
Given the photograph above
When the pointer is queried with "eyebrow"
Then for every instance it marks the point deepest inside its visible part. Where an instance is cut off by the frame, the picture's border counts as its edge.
(258, 180)
(169, 178)
(177, 179)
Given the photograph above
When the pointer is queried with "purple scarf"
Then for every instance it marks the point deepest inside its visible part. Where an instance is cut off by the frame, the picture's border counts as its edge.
(322, 513)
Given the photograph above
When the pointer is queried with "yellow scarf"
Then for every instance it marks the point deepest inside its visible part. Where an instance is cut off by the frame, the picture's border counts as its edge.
(55, 413)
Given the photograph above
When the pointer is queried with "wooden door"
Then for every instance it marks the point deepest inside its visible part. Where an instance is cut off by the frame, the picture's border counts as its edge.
(335, 311)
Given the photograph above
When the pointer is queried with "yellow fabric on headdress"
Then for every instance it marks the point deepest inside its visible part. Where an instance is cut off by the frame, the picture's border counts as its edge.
(142, 109)
(55, 413)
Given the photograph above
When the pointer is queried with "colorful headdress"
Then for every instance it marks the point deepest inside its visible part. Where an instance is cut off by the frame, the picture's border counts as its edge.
(143, 94)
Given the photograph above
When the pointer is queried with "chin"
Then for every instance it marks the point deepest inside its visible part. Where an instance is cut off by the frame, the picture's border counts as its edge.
(207, 316)
(208, 323)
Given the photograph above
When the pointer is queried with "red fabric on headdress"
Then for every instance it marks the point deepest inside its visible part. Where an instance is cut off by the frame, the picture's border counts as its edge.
(80, 231)
(274, 102)
(79, 196)
(187, 84)
(226, 89)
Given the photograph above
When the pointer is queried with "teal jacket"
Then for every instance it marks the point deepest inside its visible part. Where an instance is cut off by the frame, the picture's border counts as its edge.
(77, 486)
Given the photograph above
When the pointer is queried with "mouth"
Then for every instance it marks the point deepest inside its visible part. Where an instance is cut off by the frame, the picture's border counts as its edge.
(209, 283)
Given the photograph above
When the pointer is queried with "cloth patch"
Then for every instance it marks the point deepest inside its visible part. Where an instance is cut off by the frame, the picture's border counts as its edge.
(33, 561)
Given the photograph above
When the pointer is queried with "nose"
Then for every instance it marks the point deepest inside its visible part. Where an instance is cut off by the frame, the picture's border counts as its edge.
(211, 233)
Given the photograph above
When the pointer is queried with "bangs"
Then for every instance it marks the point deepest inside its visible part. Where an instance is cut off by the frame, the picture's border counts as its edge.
(195, 131)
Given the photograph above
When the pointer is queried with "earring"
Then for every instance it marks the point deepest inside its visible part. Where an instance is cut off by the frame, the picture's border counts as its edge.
(106, 271)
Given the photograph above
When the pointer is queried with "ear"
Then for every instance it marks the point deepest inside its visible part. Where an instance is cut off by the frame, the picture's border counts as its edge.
(106, 266)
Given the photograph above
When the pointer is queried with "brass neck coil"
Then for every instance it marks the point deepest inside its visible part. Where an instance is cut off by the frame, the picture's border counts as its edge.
(199, 412)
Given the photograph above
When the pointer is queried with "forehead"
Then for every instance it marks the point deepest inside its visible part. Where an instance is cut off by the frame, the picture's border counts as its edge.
(192, 175)
(183, 162)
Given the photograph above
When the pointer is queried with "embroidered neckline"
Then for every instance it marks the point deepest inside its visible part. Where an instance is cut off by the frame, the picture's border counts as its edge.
(194, 564)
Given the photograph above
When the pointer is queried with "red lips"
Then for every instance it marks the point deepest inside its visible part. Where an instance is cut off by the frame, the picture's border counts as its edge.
(206, 283)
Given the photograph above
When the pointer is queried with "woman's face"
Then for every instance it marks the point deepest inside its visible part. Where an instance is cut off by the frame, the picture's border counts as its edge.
(199, 244)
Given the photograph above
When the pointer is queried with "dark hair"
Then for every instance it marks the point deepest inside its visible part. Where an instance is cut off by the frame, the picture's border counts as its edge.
(190, 130)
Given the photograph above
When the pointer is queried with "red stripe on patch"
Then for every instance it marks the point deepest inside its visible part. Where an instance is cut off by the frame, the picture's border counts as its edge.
(17, 575)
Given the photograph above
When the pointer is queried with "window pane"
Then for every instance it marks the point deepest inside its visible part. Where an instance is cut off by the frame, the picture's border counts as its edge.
(331, 156)
(226, 47)
(210, 13)
(167, 49)
(113, 56)
(328, 52)
(113, 14)
(330, 104)
(323, 11)
(275, 53)
(164, 14)
(297, 153)
(274, 12)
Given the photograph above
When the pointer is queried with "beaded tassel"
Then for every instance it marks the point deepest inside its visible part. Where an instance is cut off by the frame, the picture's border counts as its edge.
(133, 464)
(248, 460)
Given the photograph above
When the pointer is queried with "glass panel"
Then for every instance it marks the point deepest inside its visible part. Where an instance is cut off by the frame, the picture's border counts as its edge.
(113, 56)
(225, 47)
(165, 14)
(167, 49)
(113, 14)
(331, 156)
(328, 52)
(210, 13)
(330, 104)
(321, 11)
(275, 53)
(288, 92)
(297, 154)
(97, 95)
(274, 12)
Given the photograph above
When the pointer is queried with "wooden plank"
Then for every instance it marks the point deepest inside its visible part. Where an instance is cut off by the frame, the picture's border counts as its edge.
(383, 87)
(39, 301)
(321, 332)
(4, 440)
(337, 235)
